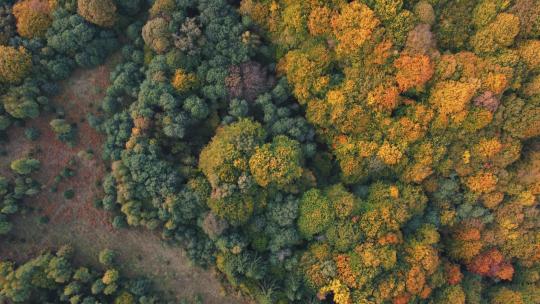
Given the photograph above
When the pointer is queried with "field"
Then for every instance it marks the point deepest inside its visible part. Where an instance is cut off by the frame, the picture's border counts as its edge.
(76, 221)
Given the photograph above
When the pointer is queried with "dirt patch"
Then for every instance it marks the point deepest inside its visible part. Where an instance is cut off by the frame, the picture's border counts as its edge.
(76, 221)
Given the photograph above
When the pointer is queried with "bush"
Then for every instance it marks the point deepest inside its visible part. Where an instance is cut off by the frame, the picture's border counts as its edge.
(32, 133)
(64, 131)
(119, 222)
(106, 257)
(69, 194)
(23, 101)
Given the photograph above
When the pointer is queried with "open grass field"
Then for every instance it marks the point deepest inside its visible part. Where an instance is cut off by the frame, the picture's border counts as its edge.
(76, 221)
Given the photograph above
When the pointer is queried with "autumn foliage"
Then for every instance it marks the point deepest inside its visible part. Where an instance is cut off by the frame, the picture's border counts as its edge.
(99, 12)
(427, 93)
(413, 71)
(33, 17)
(15, 64)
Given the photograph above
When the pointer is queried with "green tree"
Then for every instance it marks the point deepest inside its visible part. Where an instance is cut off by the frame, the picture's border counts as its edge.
(106, 257)
(316, 213)
(236, 208)
(63, 130)
(110, 276)
(25, 165)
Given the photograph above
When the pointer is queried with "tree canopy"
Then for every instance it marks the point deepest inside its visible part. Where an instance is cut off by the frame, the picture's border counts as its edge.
(365, 151)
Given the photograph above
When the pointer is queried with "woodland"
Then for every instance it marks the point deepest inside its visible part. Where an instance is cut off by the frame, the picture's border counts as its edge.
(314, 151)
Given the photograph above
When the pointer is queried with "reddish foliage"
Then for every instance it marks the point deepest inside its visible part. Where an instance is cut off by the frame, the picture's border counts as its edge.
(527, 11)
(389, 239)
(468, 231)
(487, 101)
(39, 5)
(416, 280)
(453, 274)
(492, 264)
(468, 234)
(247, 80)
(402, 299)
(421, 41)
(346, 274)
(413, 71)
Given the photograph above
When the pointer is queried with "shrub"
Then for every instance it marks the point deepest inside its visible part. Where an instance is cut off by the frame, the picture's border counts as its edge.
(32, 133)
(57, 278)
(110, 276)
(106, 257)
(23, 101)
(69, 194)
(119, 222)
(63, 130)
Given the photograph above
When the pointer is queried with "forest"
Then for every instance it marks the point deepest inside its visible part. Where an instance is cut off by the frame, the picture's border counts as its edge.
(306, 151)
